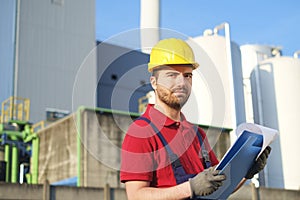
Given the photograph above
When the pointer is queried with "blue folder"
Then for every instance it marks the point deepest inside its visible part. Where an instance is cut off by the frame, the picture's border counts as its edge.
(236, 163)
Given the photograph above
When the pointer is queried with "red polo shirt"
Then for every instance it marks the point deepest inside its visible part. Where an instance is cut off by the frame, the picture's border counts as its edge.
(144, 157)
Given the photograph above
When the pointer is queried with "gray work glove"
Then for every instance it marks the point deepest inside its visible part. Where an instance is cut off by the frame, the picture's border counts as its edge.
(259, 164)
(206, 182)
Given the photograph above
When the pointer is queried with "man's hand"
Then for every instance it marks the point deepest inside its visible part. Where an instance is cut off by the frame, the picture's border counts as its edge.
(206, 182)
(259, 164)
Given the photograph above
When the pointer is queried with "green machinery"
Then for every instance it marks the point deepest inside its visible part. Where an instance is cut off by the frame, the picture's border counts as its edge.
(19, 143)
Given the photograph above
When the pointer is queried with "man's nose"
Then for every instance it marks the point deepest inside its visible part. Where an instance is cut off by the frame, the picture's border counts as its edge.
(180, 79)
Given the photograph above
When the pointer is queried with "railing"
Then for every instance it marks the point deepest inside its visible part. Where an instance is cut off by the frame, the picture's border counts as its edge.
(15, 108)
(37, 126)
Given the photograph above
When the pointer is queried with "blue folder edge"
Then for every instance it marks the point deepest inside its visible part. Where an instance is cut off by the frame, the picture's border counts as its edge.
(236, 163)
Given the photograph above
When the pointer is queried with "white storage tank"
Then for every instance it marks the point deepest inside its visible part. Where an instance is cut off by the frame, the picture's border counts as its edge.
(276, 97)
(252, 54)
(217, 98)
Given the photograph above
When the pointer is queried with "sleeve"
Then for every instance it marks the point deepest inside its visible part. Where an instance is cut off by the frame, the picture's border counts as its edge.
(137, 155)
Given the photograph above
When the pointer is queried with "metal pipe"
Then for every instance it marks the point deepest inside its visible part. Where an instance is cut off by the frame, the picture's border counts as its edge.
(16, 49)
(35, 160)
(230, 71)
(255, 191)
(226, 28)
(22, 170)
(218, 27)
(260, 119)
(14, 165)
(260, 113)
(259, 96)
(7, 160)
(14, 135)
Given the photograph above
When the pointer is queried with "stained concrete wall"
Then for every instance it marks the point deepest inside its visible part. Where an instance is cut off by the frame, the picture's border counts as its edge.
(58, 151)
(102, 134)
(90, 149)
(87, 145)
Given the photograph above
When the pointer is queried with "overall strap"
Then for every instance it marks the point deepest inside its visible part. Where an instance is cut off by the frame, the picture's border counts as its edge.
(173, 156)
(204, 152)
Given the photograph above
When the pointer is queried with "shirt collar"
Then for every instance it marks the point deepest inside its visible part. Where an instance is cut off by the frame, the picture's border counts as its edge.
(161, 119)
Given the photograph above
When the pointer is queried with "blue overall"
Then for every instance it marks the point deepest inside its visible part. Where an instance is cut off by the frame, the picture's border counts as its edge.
(178, 170)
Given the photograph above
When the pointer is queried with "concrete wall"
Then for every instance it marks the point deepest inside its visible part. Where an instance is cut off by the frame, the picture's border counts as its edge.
(247, 193)
(102, 134)
(45, 192)
(94, 157)
(88, 151)
(58, 151)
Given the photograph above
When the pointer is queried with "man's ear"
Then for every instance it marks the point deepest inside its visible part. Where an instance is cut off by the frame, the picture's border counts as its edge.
(153, 82)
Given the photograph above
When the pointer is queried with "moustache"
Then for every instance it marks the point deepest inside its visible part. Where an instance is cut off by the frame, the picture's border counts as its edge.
(177, 89)
(183, 90)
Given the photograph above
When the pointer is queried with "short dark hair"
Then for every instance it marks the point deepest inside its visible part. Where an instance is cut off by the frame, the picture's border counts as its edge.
(157, 69)
(155, 73)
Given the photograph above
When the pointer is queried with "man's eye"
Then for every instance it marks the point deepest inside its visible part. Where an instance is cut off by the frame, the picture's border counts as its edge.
(172, 75)
(188, 75)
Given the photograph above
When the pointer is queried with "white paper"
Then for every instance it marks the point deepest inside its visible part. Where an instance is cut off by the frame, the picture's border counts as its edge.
(268, 134)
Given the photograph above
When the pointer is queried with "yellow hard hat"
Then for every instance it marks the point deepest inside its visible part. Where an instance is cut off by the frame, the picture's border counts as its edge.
(171, 51)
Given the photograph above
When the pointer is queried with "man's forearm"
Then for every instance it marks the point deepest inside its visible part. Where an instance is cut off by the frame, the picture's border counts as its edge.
(181, 191)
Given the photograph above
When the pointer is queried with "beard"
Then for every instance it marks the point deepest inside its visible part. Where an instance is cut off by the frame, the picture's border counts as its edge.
(168, 97)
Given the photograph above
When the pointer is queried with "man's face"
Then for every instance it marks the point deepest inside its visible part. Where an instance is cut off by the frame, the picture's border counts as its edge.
(173, 85)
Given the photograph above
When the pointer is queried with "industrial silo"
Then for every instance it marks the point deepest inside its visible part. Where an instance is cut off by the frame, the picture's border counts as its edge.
(276, 97)
(217, 83)
(252, 54)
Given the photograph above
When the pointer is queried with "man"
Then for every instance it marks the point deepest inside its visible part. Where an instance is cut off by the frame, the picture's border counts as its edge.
(163, 155)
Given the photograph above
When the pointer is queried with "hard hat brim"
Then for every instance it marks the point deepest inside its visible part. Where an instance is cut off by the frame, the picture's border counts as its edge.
(151, 67)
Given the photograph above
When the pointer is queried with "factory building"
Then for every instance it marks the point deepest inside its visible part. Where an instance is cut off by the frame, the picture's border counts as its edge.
(121, 73)
(43, 45)
(49, 54)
